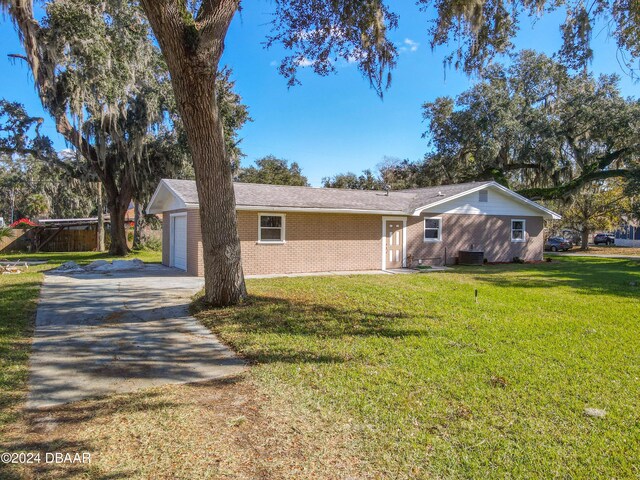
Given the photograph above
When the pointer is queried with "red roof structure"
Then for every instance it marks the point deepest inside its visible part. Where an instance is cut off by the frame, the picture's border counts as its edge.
(23, 222)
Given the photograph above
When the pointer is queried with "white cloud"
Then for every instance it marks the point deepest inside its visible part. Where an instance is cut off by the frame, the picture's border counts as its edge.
(305, 62)
(409, 45)
(273, 63)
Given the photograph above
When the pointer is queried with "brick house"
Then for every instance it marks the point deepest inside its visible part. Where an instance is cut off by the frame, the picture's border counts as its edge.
(287, 229)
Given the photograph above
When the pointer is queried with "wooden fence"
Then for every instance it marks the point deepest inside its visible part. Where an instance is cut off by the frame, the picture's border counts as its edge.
(64, 241)
(72, 241)
(14, 242)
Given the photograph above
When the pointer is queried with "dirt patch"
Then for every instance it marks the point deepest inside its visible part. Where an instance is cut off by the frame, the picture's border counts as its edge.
(221, 429)
(610, 250)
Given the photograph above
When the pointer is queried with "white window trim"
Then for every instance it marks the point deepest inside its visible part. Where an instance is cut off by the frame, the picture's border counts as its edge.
(272, 242)
(172, 239)
(424, 228)
(524, 230)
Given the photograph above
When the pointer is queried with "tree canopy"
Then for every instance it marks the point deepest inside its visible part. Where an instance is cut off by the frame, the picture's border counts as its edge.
(534, 126)
(104, 81)
(39, 180)
(319, 33)
(365, 181)
(602, 205)
(483, 29)
(273, 171)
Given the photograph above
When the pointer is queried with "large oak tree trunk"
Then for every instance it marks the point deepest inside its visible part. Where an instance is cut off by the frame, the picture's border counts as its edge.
(100, 231)
(192, 50)
(118, 232)
(138, 225)
(224, 280)
(117, 211)
(585, 239)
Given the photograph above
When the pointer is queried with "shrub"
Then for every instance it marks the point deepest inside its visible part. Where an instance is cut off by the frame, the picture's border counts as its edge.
(153, 244)
(5, 232)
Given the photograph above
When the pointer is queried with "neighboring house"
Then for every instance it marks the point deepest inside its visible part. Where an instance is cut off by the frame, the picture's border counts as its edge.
(628, 234)
(302, 229)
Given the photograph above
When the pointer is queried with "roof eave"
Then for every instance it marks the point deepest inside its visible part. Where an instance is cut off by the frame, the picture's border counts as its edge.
(548, 214)
(152, 208)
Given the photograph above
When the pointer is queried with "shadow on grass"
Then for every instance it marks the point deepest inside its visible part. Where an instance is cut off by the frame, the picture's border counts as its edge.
(78, 257)
(265, 315)
(41, 468)
(17, 315)
(584, 275)
(55, 430)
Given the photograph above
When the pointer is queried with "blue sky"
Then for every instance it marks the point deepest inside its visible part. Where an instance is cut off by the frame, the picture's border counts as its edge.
(337, 123)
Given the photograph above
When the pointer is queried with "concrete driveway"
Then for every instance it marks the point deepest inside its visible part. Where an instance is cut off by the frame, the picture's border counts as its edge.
(102, 333)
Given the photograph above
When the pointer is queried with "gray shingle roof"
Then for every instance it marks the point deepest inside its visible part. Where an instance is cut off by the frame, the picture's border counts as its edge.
(279, 196)
(185, 189)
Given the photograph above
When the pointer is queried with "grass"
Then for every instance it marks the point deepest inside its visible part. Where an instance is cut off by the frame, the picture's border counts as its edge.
(608, 250)
(57, 258)
(18, 301)
(380, 376)
(436, 385)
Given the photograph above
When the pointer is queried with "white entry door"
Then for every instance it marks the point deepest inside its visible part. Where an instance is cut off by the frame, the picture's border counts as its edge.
(179, 242)
(395, 244)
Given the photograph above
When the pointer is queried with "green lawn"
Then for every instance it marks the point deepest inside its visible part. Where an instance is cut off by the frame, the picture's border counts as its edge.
(438, 386)
(18, 301)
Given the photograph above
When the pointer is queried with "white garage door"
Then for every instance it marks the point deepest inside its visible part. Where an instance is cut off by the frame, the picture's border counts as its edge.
(179, 242)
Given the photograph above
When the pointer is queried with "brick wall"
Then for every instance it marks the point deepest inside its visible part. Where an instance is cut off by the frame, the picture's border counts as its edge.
(317, 242)
(314, 242)
(487, 232)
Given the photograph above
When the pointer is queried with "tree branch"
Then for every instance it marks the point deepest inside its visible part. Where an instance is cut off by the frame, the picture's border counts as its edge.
(18, 56)
(69, 169)
(173, 26)
(611, 157)
(44, 76)
(212, 21)
(561, 191)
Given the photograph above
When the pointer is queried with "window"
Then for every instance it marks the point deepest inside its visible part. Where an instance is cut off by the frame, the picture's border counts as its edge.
(483, 196)
(518, 231)
(270, 228)
(432, 229)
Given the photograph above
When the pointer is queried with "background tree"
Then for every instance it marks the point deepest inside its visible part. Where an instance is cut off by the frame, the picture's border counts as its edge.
(366, 181)
(102, 79)
(36, 205)
(61, 191)
(273, 171)
(597, 206)
(533, 126)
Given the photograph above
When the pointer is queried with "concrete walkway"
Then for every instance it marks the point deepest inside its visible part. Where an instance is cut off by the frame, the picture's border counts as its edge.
(98, 334)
